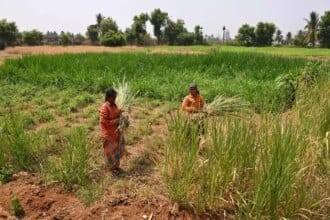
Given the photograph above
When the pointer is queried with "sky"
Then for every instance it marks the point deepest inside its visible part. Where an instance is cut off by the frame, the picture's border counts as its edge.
(212, 15)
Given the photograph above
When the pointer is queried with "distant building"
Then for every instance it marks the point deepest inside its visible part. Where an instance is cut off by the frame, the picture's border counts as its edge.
(51, 38)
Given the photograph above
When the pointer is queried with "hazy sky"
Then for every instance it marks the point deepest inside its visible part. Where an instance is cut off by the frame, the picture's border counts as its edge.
(75, 15)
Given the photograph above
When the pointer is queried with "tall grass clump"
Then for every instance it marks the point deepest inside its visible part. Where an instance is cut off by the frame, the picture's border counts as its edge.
(181, 158)
(228, 162)
(20, 148)
(72, 167)
(256, 168)
(278, 177)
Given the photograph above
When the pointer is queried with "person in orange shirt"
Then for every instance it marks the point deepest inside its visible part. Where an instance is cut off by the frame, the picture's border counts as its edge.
(112, 138)
(194, 102)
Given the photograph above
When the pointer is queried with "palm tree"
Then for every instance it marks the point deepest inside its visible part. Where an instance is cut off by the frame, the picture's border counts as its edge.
(99, 18)
(312, 28)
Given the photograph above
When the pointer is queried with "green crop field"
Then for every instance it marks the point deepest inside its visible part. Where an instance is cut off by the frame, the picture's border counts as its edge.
(272, 162)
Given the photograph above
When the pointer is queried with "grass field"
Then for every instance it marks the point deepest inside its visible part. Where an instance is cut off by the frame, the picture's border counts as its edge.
(270, 163)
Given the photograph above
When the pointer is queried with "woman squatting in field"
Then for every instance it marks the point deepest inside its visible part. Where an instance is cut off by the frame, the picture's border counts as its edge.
(194, 102)
(112, 138)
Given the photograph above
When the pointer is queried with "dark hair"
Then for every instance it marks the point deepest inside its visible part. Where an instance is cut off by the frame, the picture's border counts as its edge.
(110, 92)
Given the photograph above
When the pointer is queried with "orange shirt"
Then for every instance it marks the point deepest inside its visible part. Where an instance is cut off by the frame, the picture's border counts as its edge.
(108, 125)
(192, 103)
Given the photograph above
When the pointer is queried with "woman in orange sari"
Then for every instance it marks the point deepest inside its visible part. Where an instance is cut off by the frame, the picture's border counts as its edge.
(194, 102)
(112, 138)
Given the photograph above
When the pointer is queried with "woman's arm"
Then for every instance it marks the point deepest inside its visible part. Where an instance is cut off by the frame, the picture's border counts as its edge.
(186, 106)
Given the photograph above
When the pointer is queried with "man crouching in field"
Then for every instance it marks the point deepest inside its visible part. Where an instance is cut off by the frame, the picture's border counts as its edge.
(112, 138)
(194, 102)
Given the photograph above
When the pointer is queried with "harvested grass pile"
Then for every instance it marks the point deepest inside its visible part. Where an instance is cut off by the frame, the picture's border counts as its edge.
(227, 105)
(124, 101)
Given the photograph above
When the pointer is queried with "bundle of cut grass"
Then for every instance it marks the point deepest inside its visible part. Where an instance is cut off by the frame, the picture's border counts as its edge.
(124, 101)
(222, 105)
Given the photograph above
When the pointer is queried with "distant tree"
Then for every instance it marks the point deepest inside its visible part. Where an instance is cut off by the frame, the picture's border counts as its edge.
(158, 20)
(8, 33)
(66, 38)
(78, 39)
(288, 39)
(32, 38)
(185, 38)
(99, 19)
(246, 35)
(2, 44)
(130, 36)
(299, 39)
(19, 39)
(199, 39)
(93, 33)
(173, 29)
(324, 30)
(107, 25)
(51, 38)
(264, 34)
(113, 39)
(312, 28)
(279, 37)
(139, 27)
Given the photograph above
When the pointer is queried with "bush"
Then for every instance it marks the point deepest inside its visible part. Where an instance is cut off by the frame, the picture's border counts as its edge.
(32, 38)
(186, 39)
(113, 39)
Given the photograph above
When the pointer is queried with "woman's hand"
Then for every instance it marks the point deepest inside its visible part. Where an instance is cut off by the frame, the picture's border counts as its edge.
(115, 121)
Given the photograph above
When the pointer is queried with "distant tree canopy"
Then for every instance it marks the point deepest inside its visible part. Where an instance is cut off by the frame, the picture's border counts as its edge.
(113, 39)
(246, 35)
(66, 38)
(279, 37)
(108, 25)
(173, 30)
(8, 33)
(264, 34)
(105, 31)
(158, 20)
(316, 32)
(199, 38)
(299, 39)
(139, 27)
(324, 30)
(288, 39)
(51, 38)
(78, 39)
(32, 38)
(93, 33)
(260, 36)
(165, 31)
(312, 28)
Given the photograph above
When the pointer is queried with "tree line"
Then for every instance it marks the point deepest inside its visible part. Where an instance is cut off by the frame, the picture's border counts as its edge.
(106, 32)
(316, 33)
